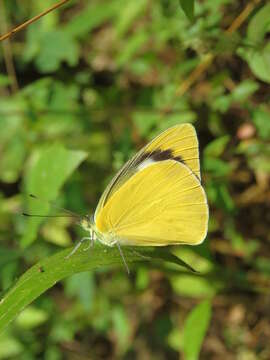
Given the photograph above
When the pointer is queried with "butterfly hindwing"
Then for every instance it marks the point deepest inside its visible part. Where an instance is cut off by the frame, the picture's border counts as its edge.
(162, 204)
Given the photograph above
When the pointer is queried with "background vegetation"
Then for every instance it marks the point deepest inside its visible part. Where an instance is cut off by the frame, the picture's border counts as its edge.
(81, 90)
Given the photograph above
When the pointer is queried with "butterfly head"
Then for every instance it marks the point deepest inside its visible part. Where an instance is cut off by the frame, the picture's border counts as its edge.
(87, 222)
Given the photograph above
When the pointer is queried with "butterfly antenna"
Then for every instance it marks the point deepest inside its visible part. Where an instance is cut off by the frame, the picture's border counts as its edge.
(123, 258)
(45, 216)
(52, 203)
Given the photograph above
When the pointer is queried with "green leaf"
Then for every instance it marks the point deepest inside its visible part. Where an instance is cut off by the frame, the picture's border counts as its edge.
(7, 255)
(194, 286)
(55, 47)
(263, 265)
(130, 11)
(216, 147)
(227, 43)
(259, 25)
(218, 194)
(49, 271)
(259, 62)
(82, 285)
(195, 329)
(258, 56)
(188, 8)
(10, 347)
(245, 89)
(127, 52)
(217, 167)
(49, 170)
(166, 255)
(11, 119)
(261, 119)
(121, 326)
(145, 121)
(12, 159)
(31, 318)
(91, 17)
(222, 103)
(4, 80)
(142, 278)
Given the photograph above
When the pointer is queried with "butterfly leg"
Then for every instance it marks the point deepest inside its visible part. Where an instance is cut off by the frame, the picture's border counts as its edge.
(76, 247)
(91, 240)
(122, 256)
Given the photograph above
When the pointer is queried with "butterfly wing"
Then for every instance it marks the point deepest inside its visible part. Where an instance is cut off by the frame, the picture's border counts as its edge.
(162, 204)
(179, 143)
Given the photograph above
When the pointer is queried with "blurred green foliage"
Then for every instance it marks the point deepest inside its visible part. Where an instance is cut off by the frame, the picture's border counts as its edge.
(97, 80)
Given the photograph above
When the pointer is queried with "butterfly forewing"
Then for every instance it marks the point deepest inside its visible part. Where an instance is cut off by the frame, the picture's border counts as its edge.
(179, 143)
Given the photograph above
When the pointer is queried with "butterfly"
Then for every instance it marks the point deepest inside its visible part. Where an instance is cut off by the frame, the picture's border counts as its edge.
(156, 198)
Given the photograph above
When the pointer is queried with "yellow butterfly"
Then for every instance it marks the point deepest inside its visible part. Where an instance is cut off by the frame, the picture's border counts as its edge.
(156, 199)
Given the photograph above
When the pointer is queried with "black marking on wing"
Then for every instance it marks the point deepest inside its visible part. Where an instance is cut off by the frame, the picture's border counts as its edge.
(159, 155)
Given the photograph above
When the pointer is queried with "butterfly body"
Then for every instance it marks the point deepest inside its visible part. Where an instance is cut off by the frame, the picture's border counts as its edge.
(157, 198)
(105, 238)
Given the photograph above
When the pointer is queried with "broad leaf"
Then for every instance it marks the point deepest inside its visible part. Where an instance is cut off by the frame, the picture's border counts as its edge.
(258, 56)
(49, 170)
